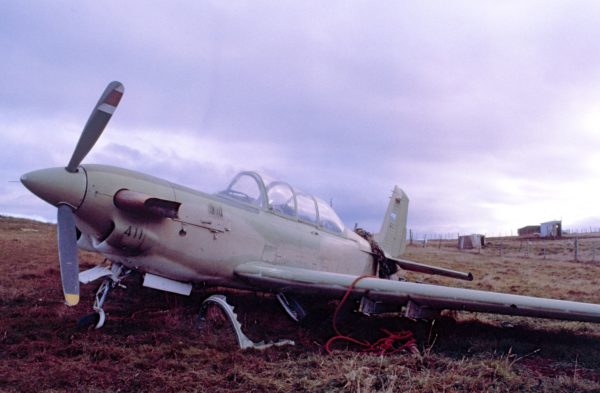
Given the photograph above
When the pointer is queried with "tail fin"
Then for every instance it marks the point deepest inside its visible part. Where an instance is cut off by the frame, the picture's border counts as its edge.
(392, 236)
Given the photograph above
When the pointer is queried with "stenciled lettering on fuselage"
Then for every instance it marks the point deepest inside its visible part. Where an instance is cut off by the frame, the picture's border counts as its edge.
(215, 211)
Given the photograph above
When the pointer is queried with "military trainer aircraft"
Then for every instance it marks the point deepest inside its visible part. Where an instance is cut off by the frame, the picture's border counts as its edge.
(258, 233)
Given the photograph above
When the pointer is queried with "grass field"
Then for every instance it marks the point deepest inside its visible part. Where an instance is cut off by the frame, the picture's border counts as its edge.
(151, 342)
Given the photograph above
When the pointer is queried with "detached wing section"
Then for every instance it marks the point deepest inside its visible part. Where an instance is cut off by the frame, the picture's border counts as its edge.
(298, 280)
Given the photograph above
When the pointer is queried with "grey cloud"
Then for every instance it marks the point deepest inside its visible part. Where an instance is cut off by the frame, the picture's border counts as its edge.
(370, 95)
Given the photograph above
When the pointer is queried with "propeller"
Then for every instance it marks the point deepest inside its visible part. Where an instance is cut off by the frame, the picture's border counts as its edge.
(100, 116)
(67, 232)
(67, 254)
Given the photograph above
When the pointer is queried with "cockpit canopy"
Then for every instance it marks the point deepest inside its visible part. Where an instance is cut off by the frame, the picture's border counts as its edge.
(280, 198)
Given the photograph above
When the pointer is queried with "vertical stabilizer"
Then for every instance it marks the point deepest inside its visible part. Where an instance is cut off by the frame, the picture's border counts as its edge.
(392, 236)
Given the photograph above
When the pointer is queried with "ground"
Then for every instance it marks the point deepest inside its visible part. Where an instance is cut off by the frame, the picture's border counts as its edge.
(151, 341)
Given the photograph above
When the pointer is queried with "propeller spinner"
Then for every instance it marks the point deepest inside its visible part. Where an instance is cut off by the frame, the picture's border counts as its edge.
(65, 188)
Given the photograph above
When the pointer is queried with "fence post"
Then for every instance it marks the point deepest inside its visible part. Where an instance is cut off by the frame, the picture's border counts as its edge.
(544, 250)
(576, 249)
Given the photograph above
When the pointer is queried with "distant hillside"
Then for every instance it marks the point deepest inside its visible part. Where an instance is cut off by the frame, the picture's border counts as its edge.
(8, 222)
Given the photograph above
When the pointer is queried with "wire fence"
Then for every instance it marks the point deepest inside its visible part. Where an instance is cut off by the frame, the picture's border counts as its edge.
(581, 249)
(581, 246)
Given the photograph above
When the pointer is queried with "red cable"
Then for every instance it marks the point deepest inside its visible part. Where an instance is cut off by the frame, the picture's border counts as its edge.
(385, 345)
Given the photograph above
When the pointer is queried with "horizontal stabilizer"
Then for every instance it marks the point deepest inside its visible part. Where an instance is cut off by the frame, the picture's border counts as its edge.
(427, 269)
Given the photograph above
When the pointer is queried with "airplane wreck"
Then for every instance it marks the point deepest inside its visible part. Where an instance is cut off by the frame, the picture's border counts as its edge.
(258, 234)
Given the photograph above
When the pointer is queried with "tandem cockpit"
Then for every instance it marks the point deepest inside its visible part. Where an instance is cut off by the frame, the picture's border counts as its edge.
(264, 192)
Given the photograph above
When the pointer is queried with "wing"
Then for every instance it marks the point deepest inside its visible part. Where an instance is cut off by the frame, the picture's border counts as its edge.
(437, 297)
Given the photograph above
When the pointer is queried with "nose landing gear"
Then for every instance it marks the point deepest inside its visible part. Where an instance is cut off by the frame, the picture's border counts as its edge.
(114, 276)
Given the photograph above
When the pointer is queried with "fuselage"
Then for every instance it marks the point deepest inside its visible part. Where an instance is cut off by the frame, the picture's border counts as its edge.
(210, 235)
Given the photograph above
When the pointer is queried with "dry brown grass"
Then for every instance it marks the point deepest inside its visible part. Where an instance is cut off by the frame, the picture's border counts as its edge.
(151, 343)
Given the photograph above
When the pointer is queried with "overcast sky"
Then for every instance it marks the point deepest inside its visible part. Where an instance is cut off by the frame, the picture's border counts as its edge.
(487, 114)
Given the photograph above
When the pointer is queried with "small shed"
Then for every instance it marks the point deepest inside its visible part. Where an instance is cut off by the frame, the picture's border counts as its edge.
(470, 242)
(551, 229)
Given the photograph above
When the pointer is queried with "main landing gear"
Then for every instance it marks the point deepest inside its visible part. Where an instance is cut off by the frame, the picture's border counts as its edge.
(114, 276)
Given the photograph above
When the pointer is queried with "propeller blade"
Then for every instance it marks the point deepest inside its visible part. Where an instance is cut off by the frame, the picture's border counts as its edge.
(67, 254)
(95, 125)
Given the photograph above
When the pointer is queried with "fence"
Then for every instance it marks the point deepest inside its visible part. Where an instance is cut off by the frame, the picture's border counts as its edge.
(583, 247)
(565, 249)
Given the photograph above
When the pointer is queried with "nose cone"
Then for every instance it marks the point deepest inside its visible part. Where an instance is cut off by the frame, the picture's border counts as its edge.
(56, 185)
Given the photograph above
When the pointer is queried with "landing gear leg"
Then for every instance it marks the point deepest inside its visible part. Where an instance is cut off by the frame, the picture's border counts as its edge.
(98, 317)
(292, 307)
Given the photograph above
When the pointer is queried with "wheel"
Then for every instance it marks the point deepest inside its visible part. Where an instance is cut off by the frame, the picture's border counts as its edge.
(88, 322)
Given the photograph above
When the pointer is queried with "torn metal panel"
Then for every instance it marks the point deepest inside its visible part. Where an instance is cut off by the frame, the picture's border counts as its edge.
(243, 340)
